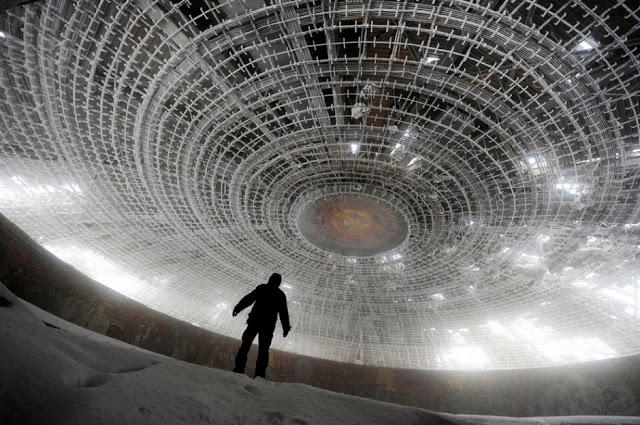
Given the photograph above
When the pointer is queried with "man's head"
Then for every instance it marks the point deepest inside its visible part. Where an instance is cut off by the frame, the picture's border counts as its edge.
(275, 279)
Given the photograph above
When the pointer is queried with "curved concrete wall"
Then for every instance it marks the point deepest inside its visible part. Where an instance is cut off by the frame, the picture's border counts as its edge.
(610, 387)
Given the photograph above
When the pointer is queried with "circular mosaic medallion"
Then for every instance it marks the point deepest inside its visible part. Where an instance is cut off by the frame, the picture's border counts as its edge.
(352, 225)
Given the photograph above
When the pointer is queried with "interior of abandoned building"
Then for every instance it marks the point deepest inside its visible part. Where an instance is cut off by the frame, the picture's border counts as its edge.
(443, 184)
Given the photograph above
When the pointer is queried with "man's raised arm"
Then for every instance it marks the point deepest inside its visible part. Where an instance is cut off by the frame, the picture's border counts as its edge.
(245, 302)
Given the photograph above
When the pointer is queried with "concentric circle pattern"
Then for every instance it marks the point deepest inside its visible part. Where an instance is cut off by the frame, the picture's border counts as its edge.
(442, 184)
(352, 225)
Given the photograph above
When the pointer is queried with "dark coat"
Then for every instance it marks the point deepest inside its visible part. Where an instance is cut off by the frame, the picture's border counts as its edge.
(269, 302)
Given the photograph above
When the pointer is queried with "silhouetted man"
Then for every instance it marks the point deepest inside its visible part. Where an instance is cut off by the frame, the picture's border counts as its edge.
(269, 302)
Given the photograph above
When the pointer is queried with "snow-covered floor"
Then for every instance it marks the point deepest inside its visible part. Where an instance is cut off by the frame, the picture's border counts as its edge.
(69, 375)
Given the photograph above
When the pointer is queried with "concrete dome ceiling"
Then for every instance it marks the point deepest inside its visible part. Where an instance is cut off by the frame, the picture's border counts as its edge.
(442, 184)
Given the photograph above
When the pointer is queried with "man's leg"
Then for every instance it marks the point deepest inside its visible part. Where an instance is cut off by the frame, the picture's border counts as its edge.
(247, 338)
(264, 342)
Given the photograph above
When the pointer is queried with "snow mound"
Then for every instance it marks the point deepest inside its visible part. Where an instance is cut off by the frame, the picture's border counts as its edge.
(54, 374)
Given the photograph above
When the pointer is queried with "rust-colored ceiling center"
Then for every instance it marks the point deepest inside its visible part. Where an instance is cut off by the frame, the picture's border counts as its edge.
(352, 225)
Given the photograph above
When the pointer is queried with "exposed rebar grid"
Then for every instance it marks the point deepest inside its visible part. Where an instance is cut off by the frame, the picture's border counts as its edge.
(442, 184)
